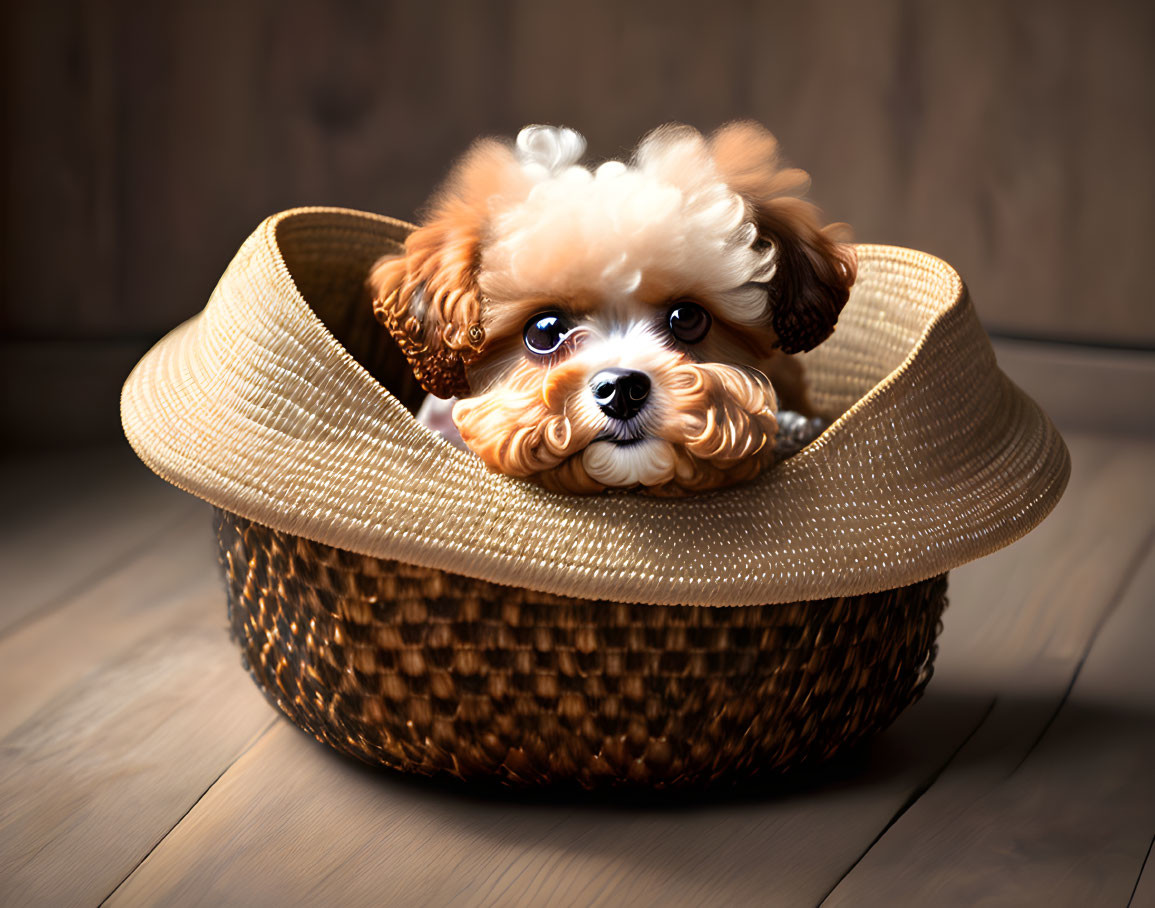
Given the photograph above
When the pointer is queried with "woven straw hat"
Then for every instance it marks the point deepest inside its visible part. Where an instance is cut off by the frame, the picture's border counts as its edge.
(255, 405)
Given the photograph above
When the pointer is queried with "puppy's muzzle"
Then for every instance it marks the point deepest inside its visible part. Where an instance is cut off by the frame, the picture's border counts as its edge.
(620, 393)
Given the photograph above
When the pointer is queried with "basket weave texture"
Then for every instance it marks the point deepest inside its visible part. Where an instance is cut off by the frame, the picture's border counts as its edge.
(443, 675)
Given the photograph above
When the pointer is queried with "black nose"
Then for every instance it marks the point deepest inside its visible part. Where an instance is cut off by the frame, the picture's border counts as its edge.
(621, 393)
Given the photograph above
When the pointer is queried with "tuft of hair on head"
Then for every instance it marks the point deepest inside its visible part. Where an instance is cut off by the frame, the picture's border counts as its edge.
(815, 265)
(549, 149)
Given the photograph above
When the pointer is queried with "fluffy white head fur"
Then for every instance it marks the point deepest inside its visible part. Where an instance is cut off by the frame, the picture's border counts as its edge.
(568, 229)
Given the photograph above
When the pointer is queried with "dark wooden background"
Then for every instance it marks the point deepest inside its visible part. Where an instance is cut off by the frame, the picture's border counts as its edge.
(144, 140)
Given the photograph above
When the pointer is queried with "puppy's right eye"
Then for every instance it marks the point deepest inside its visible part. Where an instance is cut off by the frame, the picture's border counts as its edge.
(545, 332)
(689, 322)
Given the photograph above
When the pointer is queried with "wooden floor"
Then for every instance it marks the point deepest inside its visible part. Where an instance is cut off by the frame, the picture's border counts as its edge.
(140, 765)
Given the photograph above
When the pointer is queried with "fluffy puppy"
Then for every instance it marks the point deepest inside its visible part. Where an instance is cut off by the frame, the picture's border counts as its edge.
(620, 327)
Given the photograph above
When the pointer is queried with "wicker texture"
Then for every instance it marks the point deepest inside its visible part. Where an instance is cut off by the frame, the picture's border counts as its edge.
(438, 674)
(257, 405)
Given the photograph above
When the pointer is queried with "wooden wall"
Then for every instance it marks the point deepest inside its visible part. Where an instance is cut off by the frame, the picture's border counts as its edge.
(144, 140)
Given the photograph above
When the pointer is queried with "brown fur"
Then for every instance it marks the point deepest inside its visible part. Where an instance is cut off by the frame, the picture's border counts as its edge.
(815, 267)
(440, 266)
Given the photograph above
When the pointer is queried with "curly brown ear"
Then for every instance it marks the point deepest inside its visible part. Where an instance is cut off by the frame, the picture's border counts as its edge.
(437, 349)
(815, 265)
(428, 297)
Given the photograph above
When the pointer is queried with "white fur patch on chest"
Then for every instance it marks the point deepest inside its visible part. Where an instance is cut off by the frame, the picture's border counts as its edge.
(437, 414)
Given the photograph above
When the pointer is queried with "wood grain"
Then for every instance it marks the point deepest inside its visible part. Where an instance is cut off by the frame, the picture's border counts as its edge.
(291, 823)
(1067, 822)
(1085, 389)
(69, 517)
(1144, 894)
(120, 708)
(319, 829)
(165, 581)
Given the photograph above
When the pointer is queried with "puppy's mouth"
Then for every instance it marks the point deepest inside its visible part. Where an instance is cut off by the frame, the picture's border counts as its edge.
(621, 442)
(623, 434)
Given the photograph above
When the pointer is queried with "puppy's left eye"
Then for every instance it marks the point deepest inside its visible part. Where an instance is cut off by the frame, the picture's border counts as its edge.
(545, 332)
(689, 322)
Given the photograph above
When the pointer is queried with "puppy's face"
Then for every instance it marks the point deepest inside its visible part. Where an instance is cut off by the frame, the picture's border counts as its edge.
(612, 328)
(618, 393)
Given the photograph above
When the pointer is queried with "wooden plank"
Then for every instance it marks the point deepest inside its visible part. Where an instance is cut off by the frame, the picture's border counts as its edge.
(1068, 822)
(70, 516)
(1052, 588)
(120, 709)
(165, 581)
(657, 61)
(61, 240)
(293, 822)
(319, 829)
(1144, 894)
(1084, 388)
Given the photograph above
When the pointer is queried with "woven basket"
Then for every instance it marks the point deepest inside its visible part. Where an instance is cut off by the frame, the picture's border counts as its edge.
(440, 674)
(405, 605)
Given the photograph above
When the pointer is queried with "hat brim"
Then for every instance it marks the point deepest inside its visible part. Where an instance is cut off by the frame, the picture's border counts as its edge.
(936, 458)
